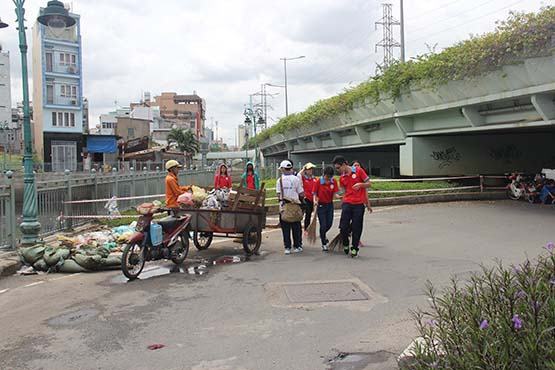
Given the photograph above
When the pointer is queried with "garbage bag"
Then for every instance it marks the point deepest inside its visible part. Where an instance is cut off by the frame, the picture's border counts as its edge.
(52, 256)
(32, 254)
(88, 262)
(110, 246)
(70, 266)
(40, 265)
(66, 242)
(199, 194)
(113, 260)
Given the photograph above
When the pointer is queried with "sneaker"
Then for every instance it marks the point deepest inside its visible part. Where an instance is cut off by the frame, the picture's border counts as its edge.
(298, 250)
(324, 248)
(354, 252)
(287, 251)
(346, 249)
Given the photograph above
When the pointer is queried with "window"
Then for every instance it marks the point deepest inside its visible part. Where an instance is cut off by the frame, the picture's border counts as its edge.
(49, 62)
(72, 119)
(60, 119)
(66, 119)
(73, 91)
(68, 59)
(68, 91)
(63, 90)
(54, 119)
(130, 133)
(49, 94)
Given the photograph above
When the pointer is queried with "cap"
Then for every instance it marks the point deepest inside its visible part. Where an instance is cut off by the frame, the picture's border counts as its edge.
(172, 163)
(309, 166)
(286, 164)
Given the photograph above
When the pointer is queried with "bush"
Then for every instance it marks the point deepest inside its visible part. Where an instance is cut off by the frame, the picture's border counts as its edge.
(503, 318)
(520, 36)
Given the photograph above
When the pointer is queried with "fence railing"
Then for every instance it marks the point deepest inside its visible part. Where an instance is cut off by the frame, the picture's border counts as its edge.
(64, 195)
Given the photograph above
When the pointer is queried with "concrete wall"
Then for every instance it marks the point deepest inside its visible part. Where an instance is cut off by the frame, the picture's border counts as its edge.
(477, 154)
(140, 128)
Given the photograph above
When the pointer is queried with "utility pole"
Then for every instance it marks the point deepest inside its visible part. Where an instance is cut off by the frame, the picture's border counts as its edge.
(388, 42)
(402, 32)
(285, 78)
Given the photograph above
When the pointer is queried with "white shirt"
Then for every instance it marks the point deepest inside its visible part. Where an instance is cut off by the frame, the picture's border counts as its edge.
(292, 188)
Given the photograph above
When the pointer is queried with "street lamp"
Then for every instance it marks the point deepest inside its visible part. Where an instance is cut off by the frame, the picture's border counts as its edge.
(256, 117)
(54, 16)
(285, 73)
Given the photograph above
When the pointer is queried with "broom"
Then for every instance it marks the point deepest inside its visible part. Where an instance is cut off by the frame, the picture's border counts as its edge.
(311, 230)
(335, 242)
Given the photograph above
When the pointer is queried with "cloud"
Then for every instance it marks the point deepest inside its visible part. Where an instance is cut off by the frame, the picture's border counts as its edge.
(225, 50)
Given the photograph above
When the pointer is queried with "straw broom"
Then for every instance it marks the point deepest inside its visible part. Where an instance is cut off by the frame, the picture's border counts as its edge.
(335, 242)
(311, 230)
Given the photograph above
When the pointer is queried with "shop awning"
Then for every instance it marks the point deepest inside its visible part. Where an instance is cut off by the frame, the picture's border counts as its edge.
(101, 144)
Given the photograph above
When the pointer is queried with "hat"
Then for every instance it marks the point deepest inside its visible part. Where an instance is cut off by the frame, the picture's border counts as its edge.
(309, 166)
(172, 163)
(286, 164)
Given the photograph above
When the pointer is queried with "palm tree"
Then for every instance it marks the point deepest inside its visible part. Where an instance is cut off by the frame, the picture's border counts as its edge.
(186, 142)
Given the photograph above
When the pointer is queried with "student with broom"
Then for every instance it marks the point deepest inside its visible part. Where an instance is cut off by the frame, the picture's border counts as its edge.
(354, 182)
(324, 191)
(307, 177)
(290, 193)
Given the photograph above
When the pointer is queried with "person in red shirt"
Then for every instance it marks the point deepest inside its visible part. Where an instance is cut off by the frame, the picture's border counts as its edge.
(308, 181)
(325, 190)
(222, 179)
(250, 178)
(354, 182)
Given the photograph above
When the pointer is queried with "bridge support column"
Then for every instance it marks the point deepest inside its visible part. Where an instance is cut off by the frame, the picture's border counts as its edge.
(476, 154)
(544, 105)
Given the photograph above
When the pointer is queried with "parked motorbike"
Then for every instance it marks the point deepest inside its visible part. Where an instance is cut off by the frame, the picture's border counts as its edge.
(520, 187)
(167, 238)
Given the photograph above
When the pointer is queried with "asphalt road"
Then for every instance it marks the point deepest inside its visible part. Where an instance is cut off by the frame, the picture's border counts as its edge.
(263, 314)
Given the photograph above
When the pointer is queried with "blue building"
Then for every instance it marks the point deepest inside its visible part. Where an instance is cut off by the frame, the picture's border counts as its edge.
(58, 120)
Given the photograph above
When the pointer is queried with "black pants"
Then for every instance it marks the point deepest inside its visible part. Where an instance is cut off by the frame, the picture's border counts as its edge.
(286, 229)
(352, 218)
(308, 209)
(325, 216)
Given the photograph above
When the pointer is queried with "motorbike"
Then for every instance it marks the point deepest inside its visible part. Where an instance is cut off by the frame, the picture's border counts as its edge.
(149, 243)
(519, 188)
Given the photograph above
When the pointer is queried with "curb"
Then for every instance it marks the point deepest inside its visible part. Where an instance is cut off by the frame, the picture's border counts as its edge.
(421, 199)
(9, 263)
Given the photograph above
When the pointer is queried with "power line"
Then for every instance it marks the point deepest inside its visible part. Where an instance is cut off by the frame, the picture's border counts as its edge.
(388, 43)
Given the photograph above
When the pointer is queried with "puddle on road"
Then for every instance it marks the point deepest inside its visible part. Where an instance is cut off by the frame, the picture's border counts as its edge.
(199, 266)
(358, 361)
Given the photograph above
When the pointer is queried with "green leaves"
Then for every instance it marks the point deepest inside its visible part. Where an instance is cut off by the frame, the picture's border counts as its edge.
(185, 139)
(520, 36)
(518, 304)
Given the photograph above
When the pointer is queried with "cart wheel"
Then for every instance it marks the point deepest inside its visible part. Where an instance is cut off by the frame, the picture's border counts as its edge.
(252, 238)
(202, 240)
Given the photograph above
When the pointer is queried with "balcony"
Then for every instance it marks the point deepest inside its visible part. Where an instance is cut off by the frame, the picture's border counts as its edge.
(70, 70)
(58, 101)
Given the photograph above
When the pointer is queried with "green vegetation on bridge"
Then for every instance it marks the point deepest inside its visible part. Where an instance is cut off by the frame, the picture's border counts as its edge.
(519, 37)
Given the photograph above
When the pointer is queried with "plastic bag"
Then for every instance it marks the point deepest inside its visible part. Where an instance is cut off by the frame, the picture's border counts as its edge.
(32, 254)
(185, 199)
(52, 256)
(70, 266)
(199, 194)
(41, 265)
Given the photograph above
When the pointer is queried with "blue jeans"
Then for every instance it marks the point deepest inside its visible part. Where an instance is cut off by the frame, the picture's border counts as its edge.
(287, 228)
(352, 218)
(325, 217)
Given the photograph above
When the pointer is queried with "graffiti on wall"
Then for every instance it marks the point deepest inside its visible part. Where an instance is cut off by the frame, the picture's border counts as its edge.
(508, 153)
(446, 157)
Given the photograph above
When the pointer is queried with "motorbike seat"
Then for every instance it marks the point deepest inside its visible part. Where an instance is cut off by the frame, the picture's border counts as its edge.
(168, 223)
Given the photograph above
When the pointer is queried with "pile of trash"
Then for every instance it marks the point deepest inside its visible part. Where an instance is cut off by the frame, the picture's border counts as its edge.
(94, 251)
(199, 198)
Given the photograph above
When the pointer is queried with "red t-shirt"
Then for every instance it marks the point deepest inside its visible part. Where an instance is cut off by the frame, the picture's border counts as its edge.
(353, 196)
(325, 191)
(308, 186)
(222, 182)
(250, 182)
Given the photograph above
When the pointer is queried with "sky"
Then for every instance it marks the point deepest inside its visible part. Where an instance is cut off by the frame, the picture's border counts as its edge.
(225, 49)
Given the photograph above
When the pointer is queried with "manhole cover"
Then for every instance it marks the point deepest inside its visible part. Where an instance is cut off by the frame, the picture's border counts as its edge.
(324, 292)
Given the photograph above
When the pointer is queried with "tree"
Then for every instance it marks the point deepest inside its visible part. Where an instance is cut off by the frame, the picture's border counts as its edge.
(186, 142)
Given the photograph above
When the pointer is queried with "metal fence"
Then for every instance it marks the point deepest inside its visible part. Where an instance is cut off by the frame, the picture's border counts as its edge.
(53, 192)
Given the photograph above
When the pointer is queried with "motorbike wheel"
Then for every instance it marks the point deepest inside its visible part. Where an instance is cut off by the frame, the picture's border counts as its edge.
(252, 239)
(181, 249)
(133, 260)
(512, 195)
(202, 240)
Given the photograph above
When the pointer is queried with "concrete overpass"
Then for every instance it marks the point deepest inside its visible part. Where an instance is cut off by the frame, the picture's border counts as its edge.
(495, 123)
